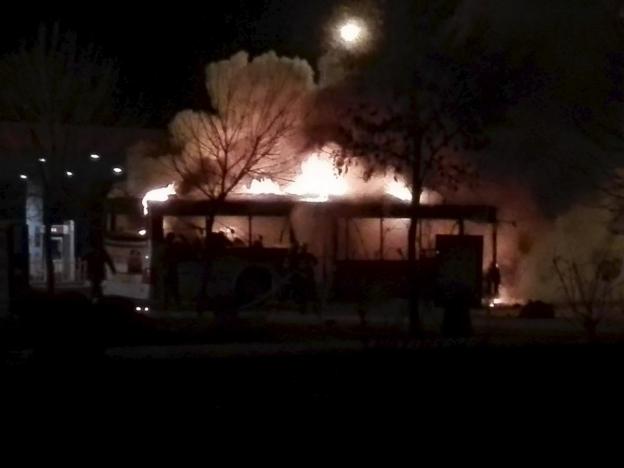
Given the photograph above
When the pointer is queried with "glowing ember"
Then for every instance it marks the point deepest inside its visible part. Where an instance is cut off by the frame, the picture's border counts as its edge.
(158, 195)
(504, 299)
(318, 181)
(263, 187)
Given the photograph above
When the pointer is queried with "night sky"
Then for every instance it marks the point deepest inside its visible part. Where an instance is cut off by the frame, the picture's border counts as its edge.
(162, 51)
(565, 49)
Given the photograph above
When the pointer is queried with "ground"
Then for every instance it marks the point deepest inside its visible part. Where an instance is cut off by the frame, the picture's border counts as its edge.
(285, 361)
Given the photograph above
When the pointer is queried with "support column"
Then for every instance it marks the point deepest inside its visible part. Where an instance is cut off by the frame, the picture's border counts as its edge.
(381, 239)
(156, 228)
(495, 243)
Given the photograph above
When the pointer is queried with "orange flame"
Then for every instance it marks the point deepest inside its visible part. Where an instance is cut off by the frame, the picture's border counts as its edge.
(318, 181)
(399, 190)
(402, 192)
(158, 195)
(263, 187)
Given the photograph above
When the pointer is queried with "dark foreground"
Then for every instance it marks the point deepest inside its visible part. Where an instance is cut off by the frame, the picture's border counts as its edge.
(455, 380)
(113, 362)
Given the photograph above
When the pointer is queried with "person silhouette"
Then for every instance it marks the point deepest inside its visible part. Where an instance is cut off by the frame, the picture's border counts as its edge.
(97, 259)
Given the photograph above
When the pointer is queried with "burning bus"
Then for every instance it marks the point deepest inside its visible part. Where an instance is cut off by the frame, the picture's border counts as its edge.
(357, 241)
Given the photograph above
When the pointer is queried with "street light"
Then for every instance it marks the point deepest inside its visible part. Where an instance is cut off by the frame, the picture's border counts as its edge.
(23, 176)
(69, 173)
(95, 157)
(41, 160)
(117, 170)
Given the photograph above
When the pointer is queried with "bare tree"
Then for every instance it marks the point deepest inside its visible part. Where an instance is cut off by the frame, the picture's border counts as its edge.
(251, 131)
(407, 106)
(415, 134)
(53, 86)
(589, 289)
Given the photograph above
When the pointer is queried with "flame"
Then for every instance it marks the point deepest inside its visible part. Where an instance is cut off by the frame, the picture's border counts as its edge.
(399, 190)
(402, 192)
(263, 187)
(158, 195)
(504, 299)
(318, 181)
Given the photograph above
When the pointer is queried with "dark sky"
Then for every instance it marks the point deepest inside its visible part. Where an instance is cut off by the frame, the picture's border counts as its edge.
(162, 50)
(565, 46)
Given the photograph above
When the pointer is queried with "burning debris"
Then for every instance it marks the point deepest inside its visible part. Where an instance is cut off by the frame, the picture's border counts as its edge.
(504, 300)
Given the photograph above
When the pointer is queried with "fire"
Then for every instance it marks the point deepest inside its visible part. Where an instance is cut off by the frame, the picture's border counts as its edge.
(263, 187)
(158, 195)
(318, 181)
(399, 190)
(504, 299)
(402, 192)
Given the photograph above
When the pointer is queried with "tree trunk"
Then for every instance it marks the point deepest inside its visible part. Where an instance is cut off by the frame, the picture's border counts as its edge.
(206, 264)
(415, 325)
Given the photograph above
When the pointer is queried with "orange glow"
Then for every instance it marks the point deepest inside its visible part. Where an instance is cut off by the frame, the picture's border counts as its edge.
(504, 299)
(263, 187)
(318, 181)
(399, 190)
(402, 192)
(158, 195)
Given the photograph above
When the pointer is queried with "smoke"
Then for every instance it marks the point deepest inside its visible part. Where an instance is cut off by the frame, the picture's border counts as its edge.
(529, 240)
(584, 235)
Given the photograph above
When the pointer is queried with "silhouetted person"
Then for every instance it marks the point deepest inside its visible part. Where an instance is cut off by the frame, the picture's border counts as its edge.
(306, 282)
(492, 280)
(217, 242)
(185, 249)
(170, 259)
(259, 243)
(96, 260)
(135, 262)
(236, 241)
